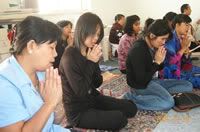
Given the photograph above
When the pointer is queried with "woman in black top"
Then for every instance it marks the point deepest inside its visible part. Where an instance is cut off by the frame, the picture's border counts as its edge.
(67, 39)
(85, 107)
(144, 61)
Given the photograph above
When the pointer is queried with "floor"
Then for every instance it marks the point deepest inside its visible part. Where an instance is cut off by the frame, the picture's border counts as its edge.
(148, 121)
(180, 121)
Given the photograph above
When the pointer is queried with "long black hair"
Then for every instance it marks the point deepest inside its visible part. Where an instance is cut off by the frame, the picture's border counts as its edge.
(86, 26)
(130, 20)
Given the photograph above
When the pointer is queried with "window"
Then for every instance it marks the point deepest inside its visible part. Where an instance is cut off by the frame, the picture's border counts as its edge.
(59, 5)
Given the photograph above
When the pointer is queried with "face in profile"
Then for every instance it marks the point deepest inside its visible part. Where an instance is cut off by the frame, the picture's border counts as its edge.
(188, 11)
(44, 55)
(159, 41)
(67, 30)
(122, 21)
(183, 28)
(91, 40)
(136, 27)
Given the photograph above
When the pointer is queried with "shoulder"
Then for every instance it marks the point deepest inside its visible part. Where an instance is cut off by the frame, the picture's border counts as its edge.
(123, 38)
(8, 79)
(12, 107)
(8, 70)
(139, 48)
(71, 58)
(140, 45)
(71, 52)
(7, 89)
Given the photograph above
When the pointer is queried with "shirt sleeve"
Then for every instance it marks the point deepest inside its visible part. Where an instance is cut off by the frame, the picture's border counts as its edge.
(97, 77)
(12, 109)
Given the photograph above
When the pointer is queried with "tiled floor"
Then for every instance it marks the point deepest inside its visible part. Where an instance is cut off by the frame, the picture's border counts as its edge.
(180, 121)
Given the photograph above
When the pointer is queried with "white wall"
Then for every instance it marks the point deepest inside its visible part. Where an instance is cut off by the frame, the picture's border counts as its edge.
(107, 9)
(158, 8)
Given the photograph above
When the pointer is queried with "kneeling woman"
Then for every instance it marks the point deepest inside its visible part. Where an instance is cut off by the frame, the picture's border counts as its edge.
(85, 107)
(144, 61)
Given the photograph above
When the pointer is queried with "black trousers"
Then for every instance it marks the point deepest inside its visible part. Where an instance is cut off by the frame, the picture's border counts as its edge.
(123, 71)
(109, 114)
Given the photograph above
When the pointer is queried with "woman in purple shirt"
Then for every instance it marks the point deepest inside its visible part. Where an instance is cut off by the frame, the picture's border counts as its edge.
(131, 29)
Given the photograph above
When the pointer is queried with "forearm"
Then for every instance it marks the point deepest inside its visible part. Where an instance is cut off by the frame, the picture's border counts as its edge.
(38, 121)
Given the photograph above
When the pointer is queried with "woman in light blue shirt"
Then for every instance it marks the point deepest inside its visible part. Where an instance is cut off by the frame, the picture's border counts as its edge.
(28, 94)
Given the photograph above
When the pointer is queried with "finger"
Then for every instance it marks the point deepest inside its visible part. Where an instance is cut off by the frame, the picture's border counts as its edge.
(100, 54)
(59, 86)
(100, 48)
(41, 87)
(163, 50)
(159, 50)
(51, 75)
(47, 75)
(59, 83)
(98, 51)
(55, 79)
(89, 51)
(95, 47)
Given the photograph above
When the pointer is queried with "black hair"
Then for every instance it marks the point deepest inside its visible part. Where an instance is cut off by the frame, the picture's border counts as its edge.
(159, 28)
(63, 23)
(181, 18)
(184, 7)
(118, 17)
(130, 20)
(147, 23)
(169, 16)
(37, 29)
(87, 25)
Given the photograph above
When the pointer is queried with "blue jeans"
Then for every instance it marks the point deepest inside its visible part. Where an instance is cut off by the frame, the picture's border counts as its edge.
(156, 96)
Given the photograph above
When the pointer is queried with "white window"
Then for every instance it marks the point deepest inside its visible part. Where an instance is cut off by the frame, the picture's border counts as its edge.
(59, 5)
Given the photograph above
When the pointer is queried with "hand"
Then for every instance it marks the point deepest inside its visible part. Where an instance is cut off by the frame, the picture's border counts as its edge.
(197, 42)
(160, 55)
(94, 54)
(70, 39)
(51, 89)
(185, 42)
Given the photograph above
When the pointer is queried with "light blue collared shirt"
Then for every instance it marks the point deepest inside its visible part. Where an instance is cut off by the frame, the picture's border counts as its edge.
(19, 100)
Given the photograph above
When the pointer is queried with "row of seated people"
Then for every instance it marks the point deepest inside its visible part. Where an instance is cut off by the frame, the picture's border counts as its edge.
(177, 64)
(27, 102)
